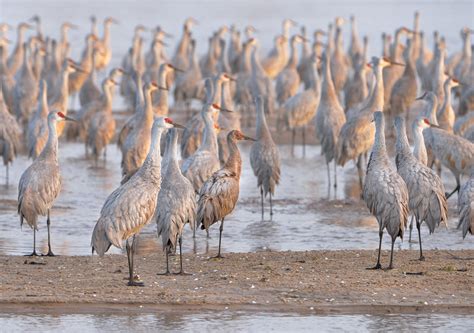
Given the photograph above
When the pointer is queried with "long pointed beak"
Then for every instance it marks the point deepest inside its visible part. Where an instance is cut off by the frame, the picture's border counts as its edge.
(226, 110)
(230, 78)
(420, 97)
(435, 126)
(179, 126)
(248, 138)
(69, 119)
(177, 69)
(396, 63)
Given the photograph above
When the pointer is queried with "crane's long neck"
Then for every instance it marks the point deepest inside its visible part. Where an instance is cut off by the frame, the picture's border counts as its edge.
(227, 102)
(396, 52)
(402, 146)
(64, 36)
(315, 81)
(377, 99)
(467, 52)
(246, 65)
(262, 127)
(26, 63)
(217, 96)
(447, 95)
(209, 142)
(328, 91)
(338, 47)
(354, 35)
(183, 43)
(139, 98)
(148, 108)
(439, 76)
(64, 92)
(170, 160)
(234, 162)
(293, 57)
(419, 150)
(379, 150)
(20, 38)
(50, 150)
(108, 97)
(43, 104)
(152, 165)
(106, 37)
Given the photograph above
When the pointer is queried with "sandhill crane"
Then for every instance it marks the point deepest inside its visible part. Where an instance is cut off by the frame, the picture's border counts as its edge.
(306, 63)
(78, 78)
(355, 50)
(386, 38)
(176, 201)
(466, 206)
(427, 200)
(40, 183)
(439, 75)
(226, 120)
(205, 161)
(461, 66)
(187, 85)
(357, 134)
(25, 93)
(393, 73)
(300, 109)
(235, 49)
(356, 90)
(7, 80)
(63, 43)
(192, 135)
(265, 158)
(103, 45)
(219, 194)
(132, 205)
(16, 58)
(260, 83)
(288, 80)
(37, 132)
(38, 27)
(10, 135)
(243, 95)
(160, 98)
(89, 91)
(330, 118)
(419, 149)
(181, 56)
(153, 61)
(463, 123)
(102, 126)
(385, 192)
(339, 61)
(137, 143)
(274, 62)
(445, 113)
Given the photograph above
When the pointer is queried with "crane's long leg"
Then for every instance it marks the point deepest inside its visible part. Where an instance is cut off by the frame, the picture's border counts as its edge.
(221, 228)
(33, 254)
(391, 254)
(134, 280)
(411, 228)
(418, 225)
(335, 174)
(360, 172)
(329, 175)
(378, 265)
(293, 142)
(7, 176)
(167, 272)
(271, 206)
(304, 141)
(261, 197)
(181, 271)
(456, 189)
(48, 222)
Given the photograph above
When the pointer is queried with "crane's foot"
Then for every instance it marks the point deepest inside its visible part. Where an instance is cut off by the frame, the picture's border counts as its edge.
(167, 273)
(422, 258)
(49, 254)
(219, 256)
(135, 281)
(182, 273)
(33, 254)
(378, 266)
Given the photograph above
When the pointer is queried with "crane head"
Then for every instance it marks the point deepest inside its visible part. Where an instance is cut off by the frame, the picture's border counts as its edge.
(237, 135)
(59, 116)
(215, 107)
(169, 122)
(170, 66)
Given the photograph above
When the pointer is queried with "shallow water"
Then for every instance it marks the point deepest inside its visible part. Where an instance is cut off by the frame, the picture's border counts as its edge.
(235, 321)
(296, 225)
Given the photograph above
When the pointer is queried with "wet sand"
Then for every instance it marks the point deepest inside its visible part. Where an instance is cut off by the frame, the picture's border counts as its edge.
(326, 281)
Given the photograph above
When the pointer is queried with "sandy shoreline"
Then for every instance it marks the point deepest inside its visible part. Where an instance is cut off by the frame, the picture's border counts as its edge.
(321, 281)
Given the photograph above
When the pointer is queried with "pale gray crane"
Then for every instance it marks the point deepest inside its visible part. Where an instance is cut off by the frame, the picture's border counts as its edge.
(386, 40)
(89, 90)
(445, 113)
(463, 123)
(427, 199)
(356, 90)
(132, 205)
(77, 79)
(156, 54)
(355, 50)
(275, 61)
(136, 146)
(103, 45)
(52, 69)
(265, 158)
(188, 85)
(7, 80)
(288, 80)
(405, 89)
(330, 118)
(385, 192)
(39, 29)
(101, 129)
(40, 183)
(227, 121)
(191, 139)
(300, 109)
(160, 97)
(243, 94)
(10, 135)
(466, 206)
(17, 57)
(260, 83)
(439, 75)
(339, 62)
(64, 43)
(306, 63)
(37, 130)
(25, 93)
(131, 63)
(153, 61)
(205, 161)
(176, 202)
(181, 56)
(357, 134)
(419, 149)
(453, 151)
(219, 194)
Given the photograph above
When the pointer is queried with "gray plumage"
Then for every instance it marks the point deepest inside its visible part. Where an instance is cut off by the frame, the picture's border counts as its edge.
(176, 201)
(445, 114)
(264, 157)
(131, 206)
(205, 161)
(466, 206)
(219, 194)
(25, 93)
(427, 200)
(288, 80)
(385, 192)
(37, 133)
(40, 184)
